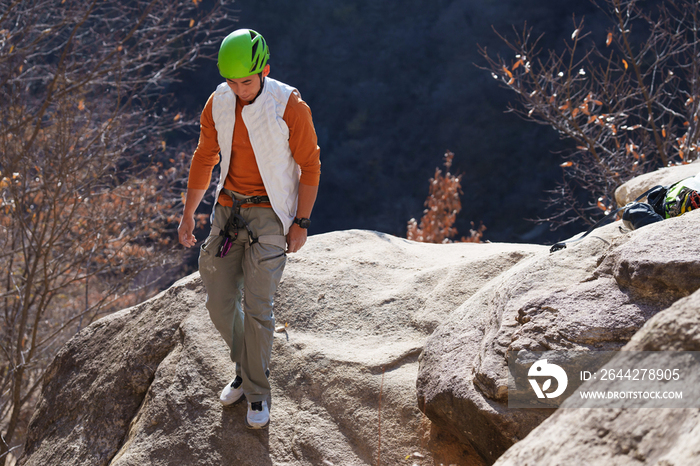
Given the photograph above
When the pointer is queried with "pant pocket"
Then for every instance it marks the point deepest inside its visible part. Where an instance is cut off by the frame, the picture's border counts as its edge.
(210, 246)
(265, 253)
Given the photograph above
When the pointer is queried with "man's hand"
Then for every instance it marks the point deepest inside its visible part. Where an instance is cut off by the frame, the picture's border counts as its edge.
(295, 238)
(184, 231)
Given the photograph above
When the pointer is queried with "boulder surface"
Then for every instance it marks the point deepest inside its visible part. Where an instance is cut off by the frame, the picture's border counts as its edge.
(635, 187)
(593, 295)
(618, 436)
(354, 309)
(389, 352)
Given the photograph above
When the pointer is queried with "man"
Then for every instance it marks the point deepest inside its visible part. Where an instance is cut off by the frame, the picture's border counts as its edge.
(270, 170)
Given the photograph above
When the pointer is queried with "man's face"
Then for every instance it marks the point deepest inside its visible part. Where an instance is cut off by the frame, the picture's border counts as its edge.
(247, 88)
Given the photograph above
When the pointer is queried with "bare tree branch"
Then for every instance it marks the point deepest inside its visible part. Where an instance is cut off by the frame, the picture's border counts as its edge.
(629, 105)
(89, 184)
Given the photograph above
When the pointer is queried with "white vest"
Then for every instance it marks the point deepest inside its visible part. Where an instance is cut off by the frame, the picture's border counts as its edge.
(269, 136)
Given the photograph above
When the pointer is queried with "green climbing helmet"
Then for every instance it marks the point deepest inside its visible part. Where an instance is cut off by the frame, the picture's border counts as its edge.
(242, 53)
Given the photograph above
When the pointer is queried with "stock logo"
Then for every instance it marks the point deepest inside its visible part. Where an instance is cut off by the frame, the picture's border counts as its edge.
(544, 369)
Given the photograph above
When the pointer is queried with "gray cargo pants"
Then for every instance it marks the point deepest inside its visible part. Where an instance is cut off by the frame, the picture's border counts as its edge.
(240, 291)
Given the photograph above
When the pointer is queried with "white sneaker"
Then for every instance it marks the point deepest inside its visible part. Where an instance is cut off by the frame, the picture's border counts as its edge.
(258, 416)
(233, 392)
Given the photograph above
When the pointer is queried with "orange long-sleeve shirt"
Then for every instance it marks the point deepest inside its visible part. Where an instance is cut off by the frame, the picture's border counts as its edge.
(243, 174)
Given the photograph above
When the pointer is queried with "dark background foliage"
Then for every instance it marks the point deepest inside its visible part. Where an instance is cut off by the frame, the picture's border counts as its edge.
(392, 86)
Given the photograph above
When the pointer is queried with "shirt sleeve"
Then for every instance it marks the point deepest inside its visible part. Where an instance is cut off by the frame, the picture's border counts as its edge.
(302, 139)
(206, 156)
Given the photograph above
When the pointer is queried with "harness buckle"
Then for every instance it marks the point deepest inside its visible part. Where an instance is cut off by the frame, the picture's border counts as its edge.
(256, 200)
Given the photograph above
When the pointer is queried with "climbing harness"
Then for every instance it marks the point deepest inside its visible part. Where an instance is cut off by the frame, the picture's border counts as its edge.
(236, 221)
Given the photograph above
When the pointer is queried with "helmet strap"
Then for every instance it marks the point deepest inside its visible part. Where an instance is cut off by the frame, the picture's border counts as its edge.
(262, 83)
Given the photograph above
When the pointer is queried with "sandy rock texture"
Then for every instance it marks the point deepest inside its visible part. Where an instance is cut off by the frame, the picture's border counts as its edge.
(616, 436)
(141, 386)
(593, 295)
(634, 188)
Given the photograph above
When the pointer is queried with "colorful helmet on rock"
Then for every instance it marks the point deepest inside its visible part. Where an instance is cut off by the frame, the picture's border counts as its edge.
(242, 53)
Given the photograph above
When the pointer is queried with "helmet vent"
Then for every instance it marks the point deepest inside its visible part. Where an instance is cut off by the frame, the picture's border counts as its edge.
(255, 65)
(255, 49)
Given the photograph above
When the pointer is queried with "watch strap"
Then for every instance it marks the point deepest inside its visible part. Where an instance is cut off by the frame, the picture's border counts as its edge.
(302, 222)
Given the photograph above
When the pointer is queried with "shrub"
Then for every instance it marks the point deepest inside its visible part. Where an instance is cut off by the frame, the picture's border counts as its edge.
(442, 206)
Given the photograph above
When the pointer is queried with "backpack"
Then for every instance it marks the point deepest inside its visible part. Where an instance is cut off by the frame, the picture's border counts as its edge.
(662, 202)
(680, 198)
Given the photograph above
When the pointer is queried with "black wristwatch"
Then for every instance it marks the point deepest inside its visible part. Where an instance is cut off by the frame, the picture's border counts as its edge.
(302, 222)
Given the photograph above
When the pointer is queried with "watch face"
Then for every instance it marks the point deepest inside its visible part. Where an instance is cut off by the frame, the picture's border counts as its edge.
(303, 222)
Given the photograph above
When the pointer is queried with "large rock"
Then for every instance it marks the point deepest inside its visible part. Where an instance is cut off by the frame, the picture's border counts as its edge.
(594, 295)
(634, 188)
(141, 386)
(617, 436)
